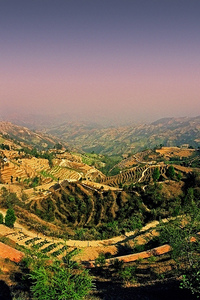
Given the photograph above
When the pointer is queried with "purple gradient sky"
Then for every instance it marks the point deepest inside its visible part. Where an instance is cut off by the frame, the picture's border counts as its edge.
(136, 60)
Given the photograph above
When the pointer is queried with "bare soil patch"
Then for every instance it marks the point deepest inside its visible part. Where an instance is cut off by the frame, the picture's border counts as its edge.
(10, 253)
(175, 151)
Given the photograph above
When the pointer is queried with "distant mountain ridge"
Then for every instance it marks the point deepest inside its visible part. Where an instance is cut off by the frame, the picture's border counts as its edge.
(111, 140)
(132, 138)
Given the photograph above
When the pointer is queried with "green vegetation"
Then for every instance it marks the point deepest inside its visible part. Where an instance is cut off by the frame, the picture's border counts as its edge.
(144, 192)
(58, 146)
(49, 248)
(35, 181)
(32, 241)
(156, 174)
(10, 218)
(49, 209)
(110, 163)
(100, 260)
(48, 175)
(55, 279)
(59, 251)
(127, 274)
(171, 172)
(181, 235)
(32, 182)
(1, 140)
(106, 164)
(4, 147)
(8, 199)
(1, 218)
(91, 159)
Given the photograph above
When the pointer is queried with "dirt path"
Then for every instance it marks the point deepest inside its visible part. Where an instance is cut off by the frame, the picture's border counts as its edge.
(143, 174)
(90, 250)
(73, 243)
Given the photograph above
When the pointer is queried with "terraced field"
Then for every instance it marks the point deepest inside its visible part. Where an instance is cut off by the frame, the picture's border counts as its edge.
(134, 175)
(175, 151)
(144, 157)
(63, 173)
(49, 246)
(17, 170)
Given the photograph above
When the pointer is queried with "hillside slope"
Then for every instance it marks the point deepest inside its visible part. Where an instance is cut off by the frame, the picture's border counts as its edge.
(24, 135)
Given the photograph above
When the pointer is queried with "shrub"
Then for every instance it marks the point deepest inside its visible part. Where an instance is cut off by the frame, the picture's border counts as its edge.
(181, 235)
(64, 280)
(127, 274)
(117, 265)
(100, 260)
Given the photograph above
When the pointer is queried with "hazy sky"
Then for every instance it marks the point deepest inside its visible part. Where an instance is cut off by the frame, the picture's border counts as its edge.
(137, 59)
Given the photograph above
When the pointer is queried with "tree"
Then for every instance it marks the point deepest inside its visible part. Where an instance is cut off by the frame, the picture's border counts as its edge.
(55, 279)
(1, 218)
(156, 174)
(8, 199)
(171, 172)
(58, 146)
(10, 218)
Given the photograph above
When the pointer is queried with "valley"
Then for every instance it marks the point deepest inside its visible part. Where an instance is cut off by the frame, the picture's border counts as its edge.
(109, 207)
